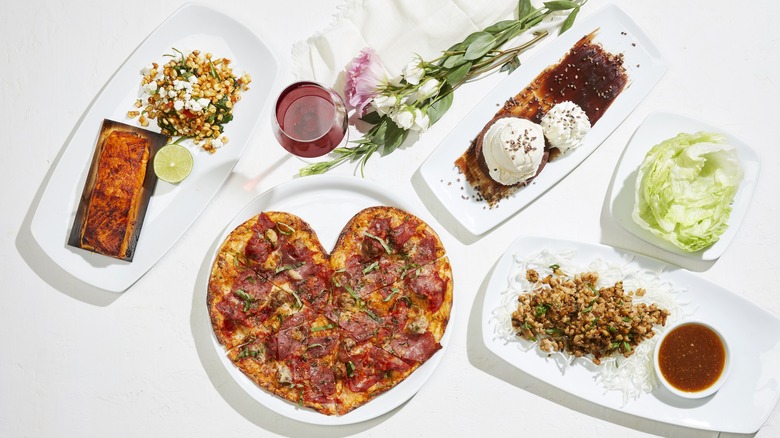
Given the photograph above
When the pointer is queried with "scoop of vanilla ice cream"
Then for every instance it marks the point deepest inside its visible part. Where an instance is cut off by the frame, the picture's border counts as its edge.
(565, 125)
(513, 149)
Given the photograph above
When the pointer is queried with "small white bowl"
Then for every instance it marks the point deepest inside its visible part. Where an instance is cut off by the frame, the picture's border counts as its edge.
(692, 394)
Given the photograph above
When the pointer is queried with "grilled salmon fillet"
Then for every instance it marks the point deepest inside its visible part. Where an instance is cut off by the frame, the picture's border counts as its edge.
(113, 207)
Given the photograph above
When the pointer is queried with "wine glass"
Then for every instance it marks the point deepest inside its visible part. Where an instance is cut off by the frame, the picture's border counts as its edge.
(309, 119)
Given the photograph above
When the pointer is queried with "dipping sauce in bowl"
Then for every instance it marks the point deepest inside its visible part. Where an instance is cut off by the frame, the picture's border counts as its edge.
(692, 359)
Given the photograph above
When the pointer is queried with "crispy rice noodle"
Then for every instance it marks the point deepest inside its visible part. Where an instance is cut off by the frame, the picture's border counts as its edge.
(633, 375)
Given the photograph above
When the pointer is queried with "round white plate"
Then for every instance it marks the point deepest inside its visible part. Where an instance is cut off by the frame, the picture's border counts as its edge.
(327, 203)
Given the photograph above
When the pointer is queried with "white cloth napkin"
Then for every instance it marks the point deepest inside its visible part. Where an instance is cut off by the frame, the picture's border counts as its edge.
(396, 29)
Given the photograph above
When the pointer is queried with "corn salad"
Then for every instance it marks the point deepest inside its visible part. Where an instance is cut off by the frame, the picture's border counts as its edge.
(191, 96)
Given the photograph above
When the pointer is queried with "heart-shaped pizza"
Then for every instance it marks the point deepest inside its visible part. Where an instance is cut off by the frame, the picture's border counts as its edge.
(330, 331)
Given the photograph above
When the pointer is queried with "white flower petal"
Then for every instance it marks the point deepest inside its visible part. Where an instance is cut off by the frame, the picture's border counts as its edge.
(413, 71)
(404, 118)
(429, 88)
(421, 120)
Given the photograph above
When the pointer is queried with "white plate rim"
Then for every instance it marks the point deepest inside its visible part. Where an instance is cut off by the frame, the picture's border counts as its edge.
(53, 217)
(659, 126)
(303, 187)
(738, 415)
(619, 34)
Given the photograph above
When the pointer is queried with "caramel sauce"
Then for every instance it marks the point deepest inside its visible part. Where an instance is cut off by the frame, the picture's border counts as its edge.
(692, 357)
(588, 76)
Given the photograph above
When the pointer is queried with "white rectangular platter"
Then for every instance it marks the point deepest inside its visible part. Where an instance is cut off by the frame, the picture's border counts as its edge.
(742, 405)
(618, 34)
(173, 208)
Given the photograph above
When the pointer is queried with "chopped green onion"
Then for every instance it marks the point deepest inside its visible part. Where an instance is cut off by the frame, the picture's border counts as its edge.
(246, 352)
(213, 70)
(352, 292)
(323, 327)
(287, 229)
(288, 267)
(372, 315)
(403, 297)
(395, 291)
(408, 268)
(248, 299)
(371, 267)
(239, 260)
(298, 302)
(380, 240)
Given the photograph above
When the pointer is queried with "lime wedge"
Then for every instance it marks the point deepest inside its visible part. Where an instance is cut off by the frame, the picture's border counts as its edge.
(173, 163)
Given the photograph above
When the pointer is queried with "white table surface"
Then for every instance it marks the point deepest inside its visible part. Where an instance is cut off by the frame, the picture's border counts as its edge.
(79, 361)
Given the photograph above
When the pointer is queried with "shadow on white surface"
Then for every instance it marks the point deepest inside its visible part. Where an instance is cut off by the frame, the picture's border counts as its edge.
(482, 358)
(442, 214)
(40, 262)
(445, 217)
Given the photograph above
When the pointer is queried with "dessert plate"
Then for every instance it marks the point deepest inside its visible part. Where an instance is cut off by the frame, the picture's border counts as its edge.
(618, 34)
(656, 128)
(173, 208)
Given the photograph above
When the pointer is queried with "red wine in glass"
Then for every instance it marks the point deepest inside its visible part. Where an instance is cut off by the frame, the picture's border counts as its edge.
(310, 120)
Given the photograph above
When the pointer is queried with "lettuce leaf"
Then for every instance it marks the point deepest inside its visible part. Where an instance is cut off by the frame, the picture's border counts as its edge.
(685, 188)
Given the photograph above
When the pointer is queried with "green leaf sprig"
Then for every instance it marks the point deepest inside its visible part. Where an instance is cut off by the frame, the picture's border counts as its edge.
(478, 54)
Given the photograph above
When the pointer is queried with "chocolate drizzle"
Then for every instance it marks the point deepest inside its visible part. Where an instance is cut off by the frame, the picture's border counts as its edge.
(588, 76)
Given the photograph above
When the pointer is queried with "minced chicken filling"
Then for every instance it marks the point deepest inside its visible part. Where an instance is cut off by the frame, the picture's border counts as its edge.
(572, 315)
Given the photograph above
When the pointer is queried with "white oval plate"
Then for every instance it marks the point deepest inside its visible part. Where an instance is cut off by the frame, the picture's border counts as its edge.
(618, 34)
(656, 128)
(173, 208)
(744, 402)
(327, 203)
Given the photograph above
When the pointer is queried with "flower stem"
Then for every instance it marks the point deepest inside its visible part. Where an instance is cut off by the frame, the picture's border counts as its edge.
(363, 151)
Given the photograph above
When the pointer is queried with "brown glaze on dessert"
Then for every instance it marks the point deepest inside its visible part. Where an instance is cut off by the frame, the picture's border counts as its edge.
(588, 75)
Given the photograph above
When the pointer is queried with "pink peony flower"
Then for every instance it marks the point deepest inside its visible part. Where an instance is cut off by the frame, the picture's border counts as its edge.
(365, 79)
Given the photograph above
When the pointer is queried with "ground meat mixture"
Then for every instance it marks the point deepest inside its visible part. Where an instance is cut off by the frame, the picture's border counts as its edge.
(572, 315)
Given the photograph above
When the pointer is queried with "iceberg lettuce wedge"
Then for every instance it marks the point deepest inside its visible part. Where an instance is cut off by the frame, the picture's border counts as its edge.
(685, 188)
